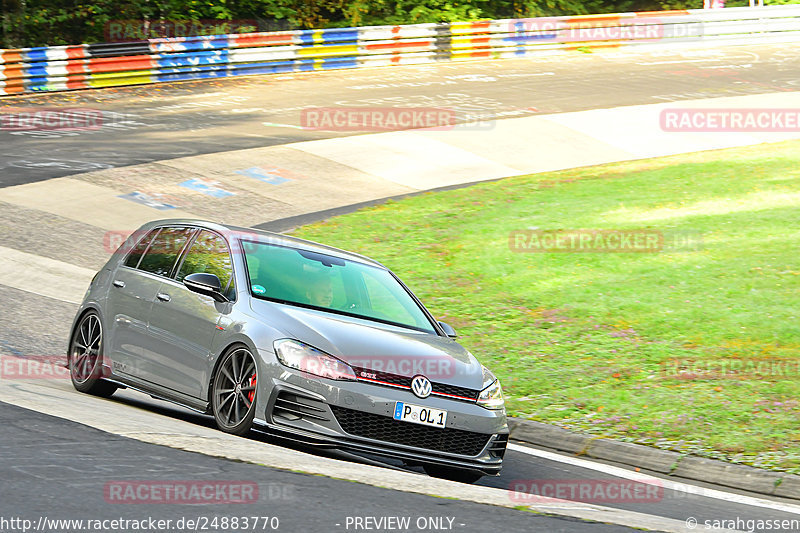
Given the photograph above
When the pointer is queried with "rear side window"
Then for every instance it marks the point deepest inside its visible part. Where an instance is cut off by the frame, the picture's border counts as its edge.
(164, 251)
(209, 254)
(138, 251)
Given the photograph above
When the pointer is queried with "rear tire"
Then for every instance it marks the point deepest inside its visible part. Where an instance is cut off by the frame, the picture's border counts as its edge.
(85, 357)
(453, 474)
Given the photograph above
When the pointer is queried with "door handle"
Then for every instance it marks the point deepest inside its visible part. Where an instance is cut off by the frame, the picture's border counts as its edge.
(119, 283)
(163, 297)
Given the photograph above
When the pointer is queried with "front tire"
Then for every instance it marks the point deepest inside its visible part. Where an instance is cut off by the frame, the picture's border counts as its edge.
(85, 357)
(233, 395)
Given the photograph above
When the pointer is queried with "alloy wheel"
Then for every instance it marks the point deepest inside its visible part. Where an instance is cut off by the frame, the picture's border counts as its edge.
(85, 353)
(235, 390)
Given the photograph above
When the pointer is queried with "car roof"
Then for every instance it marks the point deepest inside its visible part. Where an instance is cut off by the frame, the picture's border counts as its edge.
(238, 232)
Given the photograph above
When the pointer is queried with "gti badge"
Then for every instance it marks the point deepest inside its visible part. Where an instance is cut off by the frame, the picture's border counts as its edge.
(421, 386)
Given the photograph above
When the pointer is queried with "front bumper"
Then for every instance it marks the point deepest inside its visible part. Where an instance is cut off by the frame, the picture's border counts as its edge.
(357, 416)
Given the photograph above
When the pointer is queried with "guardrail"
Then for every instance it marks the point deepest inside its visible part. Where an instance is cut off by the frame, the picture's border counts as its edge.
(60, 68)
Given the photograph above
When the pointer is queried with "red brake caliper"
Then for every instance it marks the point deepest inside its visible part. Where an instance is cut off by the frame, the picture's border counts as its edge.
(252, 394)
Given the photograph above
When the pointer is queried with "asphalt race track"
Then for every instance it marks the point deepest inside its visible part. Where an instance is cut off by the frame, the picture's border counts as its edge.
(58, 468)
(158, 122)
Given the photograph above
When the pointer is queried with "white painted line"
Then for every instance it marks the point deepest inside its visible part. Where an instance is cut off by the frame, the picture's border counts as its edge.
(278, 125)
(667, 484)
(43, 276)
(729, 66)
(677, 61)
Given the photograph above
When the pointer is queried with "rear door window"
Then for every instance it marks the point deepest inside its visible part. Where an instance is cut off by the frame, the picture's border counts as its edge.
(160, 258)
(138, 251)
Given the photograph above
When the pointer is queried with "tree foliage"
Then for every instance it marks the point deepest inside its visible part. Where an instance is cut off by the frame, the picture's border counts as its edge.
(26, 23)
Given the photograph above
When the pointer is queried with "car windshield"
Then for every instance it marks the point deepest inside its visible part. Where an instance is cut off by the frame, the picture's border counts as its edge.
(320, 281)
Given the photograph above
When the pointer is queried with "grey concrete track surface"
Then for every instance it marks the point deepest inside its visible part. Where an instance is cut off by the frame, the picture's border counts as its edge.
(59, 470)
(158, 122)
(164, 122)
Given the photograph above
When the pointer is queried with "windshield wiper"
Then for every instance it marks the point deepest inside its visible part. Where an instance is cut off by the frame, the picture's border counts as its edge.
(326, 260)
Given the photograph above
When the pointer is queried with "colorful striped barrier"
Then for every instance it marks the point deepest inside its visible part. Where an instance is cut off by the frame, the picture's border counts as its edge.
(60, 68)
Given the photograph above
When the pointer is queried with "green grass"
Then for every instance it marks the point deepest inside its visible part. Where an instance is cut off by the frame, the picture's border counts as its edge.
(587, 340)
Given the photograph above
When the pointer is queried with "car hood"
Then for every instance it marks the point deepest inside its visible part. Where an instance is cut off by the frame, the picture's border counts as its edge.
(374, 346)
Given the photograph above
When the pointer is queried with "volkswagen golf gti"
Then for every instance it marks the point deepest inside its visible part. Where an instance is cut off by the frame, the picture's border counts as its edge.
(290, 337)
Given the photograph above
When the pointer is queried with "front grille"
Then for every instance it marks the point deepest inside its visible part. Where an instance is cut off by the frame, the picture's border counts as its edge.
(385, 377)
(452, 390)
(388, 379)
(388, 429)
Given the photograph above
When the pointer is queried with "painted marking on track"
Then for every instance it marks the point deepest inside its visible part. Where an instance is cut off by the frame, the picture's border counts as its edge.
(667, 484)
(210, 188)
(267, 175)
(146, 199)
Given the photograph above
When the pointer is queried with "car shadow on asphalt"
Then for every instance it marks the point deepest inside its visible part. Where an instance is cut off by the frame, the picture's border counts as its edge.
(142, 401)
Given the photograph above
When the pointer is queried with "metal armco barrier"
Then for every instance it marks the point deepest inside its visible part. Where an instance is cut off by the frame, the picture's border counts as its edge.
(59, 68)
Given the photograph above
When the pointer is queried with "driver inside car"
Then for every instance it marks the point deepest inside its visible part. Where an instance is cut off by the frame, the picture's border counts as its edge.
(319, 293)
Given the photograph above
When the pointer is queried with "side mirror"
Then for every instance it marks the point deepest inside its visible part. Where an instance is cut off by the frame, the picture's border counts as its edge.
(205, 284)
(448, 330)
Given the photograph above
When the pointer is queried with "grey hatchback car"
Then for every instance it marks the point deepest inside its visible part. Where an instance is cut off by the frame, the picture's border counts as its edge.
(298, 339)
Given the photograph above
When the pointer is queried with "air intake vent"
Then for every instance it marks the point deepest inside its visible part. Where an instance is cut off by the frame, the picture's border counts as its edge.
(292, 406)
(498, 446)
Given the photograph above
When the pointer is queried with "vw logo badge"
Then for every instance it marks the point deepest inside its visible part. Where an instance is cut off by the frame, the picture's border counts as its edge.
(421, 386)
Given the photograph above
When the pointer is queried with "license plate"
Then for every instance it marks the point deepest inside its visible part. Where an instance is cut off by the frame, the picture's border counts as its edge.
(420, 415)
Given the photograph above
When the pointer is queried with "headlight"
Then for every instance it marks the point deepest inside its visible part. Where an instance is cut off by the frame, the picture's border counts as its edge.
(305, 358)
(491, 397)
